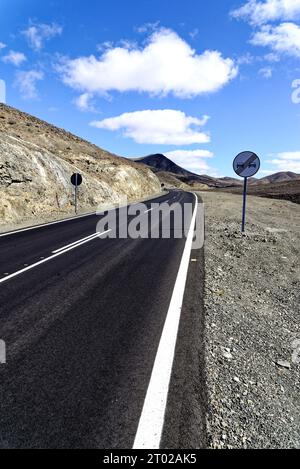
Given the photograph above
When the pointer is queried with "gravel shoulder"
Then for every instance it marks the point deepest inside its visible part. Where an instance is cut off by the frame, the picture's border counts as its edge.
(252, 335)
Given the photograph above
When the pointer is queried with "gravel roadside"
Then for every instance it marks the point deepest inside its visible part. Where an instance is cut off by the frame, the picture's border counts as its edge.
(252, 303)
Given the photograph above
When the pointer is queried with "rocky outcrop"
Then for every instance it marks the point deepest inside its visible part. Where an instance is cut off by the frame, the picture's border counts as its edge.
(37, 160)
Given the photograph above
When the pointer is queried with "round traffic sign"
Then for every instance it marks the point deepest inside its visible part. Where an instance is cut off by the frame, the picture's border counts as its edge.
(246, 164)
(76, 179)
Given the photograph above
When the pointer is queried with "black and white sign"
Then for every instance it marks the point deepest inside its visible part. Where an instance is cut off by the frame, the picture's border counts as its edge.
(76, 179)
(246, 164)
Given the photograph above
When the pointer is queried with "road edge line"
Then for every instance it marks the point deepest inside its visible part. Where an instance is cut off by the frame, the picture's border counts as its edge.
(150, 427)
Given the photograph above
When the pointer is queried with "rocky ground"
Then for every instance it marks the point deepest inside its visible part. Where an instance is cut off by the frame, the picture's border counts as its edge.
(252, 305)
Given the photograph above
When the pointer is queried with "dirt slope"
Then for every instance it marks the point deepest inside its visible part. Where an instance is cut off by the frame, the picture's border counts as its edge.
(37, 160)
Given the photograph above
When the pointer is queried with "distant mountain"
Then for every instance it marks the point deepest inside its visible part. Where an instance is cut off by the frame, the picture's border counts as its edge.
(279, 177)
(161, 165)
(173, 175)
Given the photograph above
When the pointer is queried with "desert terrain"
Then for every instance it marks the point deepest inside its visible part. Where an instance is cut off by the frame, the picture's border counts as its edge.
(284, 190)
(252, 322)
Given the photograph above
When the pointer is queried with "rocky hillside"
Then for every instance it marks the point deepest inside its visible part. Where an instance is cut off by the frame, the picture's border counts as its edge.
(284, 176)
(181, 178)
(37, 160)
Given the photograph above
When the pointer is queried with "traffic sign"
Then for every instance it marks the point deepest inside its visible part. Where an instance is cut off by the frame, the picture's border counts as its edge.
(246, 164)
(76, 179)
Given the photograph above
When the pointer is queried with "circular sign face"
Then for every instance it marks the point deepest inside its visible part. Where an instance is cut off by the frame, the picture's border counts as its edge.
(246, 164)
(76, 179)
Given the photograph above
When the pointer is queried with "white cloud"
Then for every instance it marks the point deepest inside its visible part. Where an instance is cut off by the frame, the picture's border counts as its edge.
(266, 72)
(14, 58)
(286, 161)
(192, 160)
(83, 102)
(261, 12)
(272, 57)
(167, 64)
(194, 33)
(246, 59)
(284, 38)
(148, 27)
(2, 45)
(37, 34)
(26, 82)
(163, 127)
(183, 154)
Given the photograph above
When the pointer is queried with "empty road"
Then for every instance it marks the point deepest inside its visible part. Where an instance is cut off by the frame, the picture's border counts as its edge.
(82, 318)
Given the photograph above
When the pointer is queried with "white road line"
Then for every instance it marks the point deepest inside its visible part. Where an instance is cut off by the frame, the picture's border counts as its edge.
(19, 272)
(94, 235)
(151, 422)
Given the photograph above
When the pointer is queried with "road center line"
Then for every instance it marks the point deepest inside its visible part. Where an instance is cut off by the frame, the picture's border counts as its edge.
(151, 422)
(94, 235)
(30, 267)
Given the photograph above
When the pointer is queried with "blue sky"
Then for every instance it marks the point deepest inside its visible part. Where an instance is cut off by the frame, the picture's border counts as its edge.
(198, 81)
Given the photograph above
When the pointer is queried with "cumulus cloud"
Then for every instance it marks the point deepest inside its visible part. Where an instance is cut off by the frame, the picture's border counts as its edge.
(284, 38)
(2, 45)
(27, 81)
(166, 65)
(261, 12)
(38, 34)
(148, 27)
(83, 102)
(192, 160)
(14, 58)
(286, 161)
(266, 72)
(163, 127)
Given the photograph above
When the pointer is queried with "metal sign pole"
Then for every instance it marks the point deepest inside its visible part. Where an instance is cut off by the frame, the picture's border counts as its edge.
(75, 194)
(244, 205)
(76, 186)
(76, 180)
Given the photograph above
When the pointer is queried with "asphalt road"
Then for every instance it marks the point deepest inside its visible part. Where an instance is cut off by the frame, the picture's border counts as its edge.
(82, 332)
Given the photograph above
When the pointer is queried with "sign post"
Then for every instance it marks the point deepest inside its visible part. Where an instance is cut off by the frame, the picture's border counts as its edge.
(246, 164)
(76, 180)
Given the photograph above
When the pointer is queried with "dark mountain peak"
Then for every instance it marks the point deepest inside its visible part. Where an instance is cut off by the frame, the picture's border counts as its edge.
(160, 162)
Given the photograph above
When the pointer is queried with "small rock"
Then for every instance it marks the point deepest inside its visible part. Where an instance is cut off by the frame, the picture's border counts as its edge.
(283, 364)
(227, 355)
